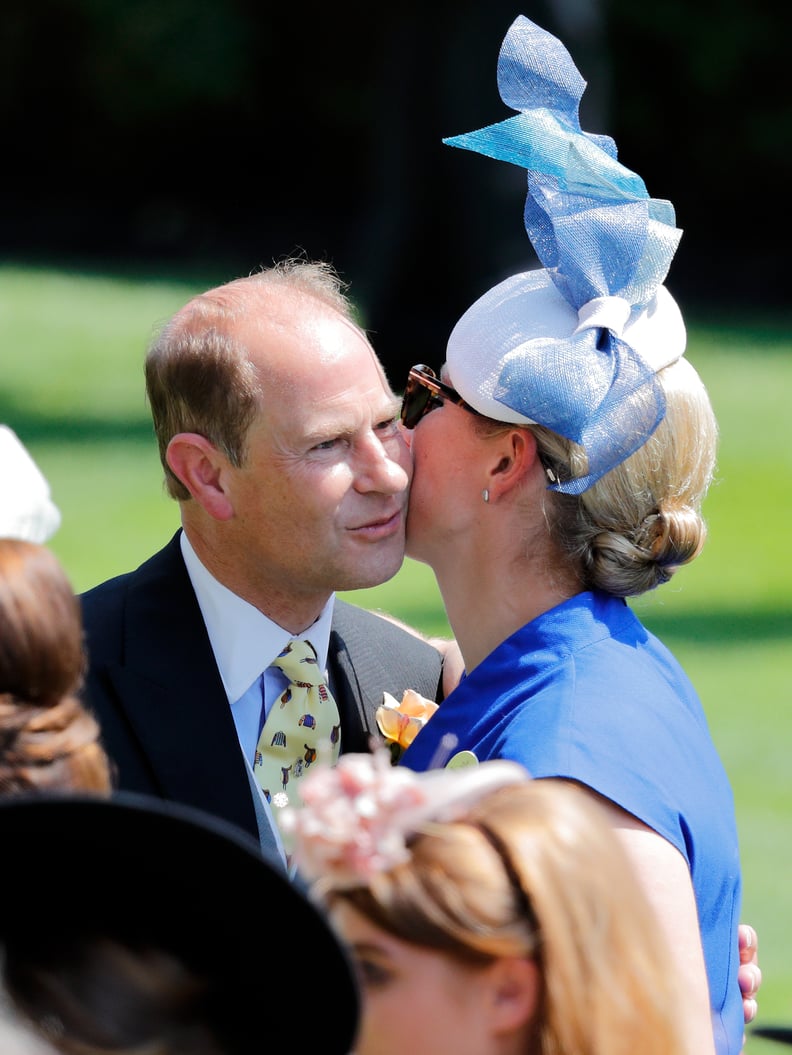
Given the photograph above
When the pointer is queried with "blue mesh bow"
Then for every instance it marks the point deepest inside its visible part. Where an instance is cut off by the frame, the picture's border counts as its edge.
(598, 234)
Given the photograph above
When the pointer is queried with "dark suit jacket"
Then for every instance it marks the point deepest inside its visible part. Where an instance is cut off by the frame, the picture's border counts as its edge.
(155, 688)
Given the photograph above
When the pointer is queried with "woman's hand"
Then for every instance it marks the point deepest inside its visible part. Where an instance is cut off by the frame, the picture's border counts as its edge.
(749, 974)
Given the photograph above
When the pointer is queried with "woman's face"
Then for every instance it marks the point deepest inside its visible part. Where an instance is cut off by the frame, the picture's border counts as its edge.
(448, 478)
(415, 1001)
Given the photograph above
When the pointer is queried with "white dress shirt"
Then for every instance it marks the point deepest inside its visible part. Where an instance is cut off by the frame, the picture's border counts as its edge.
(245, 642)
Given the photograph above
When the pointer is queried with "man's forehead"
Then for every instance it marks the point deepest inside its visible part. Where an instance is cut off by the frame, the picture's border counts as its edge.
(297, 331)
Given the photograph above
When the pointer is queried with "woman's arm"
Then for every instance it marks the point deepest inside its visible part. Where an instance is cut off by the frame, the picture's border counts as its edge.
(664, 874)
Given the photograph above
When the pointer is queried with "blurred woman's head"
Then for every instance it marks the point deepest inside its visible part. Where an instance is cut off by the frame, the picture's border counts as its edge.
(486, 913)
(48, 740)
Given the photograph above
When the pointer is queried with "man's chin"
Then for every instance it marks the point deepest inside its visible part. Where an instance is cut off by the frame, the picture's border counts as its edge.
(375, 572)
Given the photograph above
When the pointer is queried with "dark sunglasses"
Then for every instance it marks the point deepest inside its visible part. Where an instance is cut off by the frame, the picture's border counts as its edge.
(424, 392)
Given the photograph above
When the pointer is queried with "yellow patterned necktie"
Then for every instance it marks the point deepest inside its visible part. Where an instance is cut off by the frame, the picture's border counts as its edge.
(303, 722)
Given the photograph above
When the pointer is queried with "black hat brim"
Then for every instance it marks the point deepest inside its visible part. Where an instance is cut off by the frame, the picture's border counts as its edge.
(780, 1034)
(145, 871)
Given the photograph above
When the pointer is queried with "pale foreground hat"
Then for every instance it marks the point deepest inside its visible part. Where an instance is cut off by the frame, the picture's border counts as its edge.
(26, 509)
(574, 346)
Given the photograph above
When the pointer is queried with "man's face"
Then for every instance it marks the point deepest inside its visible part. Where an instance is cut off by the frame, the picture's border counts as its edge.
(320, 504)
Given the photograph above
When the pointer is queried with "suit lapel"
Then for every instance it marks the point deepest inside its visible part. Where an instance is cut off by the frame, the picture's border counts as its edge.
(174, 696)
(352, 686)
(368, 656)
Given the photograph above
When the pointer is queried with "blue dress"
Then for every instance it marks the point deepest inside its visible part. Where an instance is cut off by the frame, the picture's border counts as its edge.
(585, 692)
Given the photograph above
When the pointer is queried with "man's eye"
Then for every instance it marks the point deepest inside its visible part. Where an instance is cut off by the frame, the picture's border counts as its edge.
(390, 425)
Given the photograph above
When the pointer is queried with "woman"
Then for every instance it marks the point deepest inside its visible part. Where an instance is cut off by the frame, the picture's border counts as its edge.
(560, 467)
(486, 913)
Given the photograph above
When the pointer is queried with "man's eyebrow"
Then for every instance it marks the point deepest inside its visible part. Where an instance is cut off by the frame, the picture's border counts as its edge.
(330, 429)
(323, 433)
(393, 408)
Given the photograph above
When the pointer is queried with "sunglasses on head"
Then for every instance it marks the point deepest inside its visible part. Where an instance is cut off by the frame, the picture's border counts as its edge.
(424, 392)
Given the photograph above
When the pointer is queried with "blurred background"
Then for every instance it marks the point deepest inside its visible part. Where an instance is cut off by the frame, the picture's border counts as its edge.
(155, 147)
(221, 134)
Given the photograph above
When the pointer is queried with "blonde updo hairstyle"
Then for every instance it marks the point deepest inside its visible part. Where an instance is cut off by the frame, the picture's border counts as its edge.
(632, 529)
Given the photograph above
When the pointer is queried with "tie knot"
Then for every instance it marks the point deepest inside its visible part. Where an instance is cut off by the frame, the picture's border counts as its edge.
(299, 663)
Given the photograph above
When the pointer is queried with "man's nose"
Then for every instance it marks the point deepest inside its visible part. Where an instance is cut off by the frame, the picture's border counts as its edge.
(384, 467)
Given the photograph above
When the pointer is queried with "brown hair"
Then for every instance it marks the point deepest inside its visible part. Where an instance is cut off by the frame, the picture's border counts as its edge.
(48, 740)
(98, 996)
(199, 377)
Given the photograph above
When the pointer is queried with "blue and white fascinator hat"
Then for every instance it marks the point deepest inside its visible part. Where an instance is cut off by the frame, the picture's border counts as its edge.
(576, 345)
(26, 509)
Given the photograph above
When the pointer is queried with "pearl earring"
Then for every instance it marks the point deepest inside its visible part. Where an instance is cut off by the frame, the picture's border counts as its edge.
(485, 495)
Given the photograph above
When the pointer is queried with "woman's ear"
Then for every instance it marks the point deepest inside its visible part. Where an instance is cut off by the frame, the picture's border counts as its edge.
(517, 458)
(200, 466)
(514, 991)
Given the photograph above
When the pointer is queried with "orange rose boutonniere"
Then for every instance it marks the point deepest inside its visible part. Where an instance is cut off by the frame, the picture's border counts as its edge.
(400, 722)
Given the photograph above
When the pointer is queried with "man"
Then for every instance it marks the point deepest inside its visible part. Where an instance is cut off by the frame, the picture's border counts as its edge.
(276, 428)
(279, 437)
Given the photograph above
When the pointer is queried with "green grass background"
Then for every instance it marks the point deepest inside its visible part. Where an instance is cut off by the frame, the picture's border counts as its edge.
(71, 385)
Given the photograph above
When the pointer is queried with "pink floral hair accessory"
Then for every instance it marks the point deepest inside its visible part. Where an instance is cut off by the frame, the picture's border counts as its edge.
(355, 817)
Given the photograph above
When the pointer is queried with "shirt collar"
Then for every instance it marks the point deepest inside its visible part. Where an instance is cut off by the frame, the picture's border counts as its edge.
(243, 639)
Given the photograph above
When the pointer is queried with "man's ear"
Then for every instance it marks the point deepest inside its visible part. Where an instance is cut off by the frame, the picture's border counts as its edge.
(514, 991)
(200, 466)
